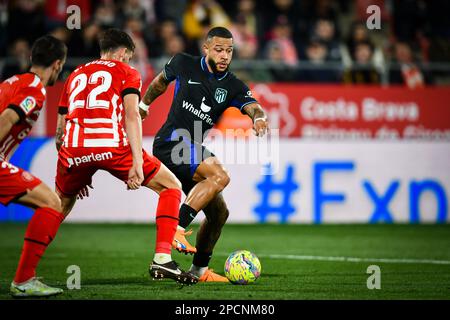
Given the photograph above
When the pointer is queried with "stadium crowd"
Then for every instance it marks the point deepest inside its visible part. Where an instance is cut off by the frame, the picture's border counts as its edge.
(324, 41)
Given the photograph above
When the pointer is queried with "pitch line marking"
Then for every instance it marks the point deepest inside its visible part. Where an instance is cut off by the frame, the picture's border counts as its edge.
(352, 259)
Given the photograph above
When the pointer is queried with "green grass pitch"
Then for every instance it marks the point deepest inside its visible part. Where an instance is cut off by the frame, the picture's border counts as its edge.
(298, 261)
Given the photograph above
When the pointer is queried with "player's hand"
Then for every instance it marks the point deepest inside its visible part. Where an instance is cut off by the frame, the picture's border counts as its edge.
(84, 193)
(135, 177)
(260, 127)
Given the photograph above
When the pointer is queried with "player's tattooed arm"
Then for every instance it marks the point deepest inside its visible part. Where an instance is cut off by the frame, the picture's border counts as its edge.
(156, 88)
(8, 118)
(60, 124)
(259, 118)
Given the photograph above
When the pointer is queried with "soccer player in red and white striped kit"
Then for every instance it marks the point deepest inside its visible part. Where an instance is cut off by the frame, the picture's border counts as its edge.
(96, 97)
(21, 99)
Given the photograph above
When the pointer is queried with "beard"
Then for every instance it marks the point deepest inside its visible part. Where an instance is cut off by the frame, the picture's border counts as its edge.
(51, 81)
(213, 66)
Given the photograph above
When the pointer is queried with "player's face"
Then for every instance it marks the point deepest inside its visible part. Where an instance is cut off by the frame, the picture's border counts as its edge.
(57, 68)
(219, 52)
(127, 56)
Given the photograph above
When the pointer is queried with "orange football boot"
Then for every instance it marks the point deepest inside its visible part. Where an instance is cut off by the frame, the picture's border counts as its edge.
(211, 276)
(180, 243)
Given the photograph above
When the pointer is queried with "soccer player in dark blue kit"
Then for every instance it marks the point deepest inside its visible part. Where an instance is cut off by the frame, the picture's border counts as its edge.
(204, 89)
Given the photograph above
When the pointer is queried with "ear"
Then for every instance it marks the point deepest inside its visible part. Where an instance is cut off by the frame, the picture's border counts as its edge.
(57, 64)
(205, 48)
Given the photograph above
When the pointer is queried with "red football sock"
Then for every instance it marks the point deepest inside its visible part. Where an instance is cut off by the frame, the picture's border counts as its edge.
(40, 232)
(167, 219)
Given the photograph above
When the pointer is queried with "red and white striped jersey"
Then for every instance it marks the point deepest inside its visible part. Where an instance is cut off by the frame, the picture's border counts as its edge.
(93, 96)
(25, 94)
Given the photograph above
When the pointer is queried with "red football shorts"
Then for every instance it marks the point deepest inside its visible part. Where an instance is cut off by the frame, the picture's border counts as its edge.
(15, 182)
(76, 166)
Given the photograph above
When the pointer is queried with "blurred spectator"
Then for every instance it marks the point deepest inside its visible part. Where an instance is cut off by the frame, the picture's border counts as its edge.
(26, 20)
(173, 46)
(19, 59)
(171, 10)
(140, 61)
(244, 39)
(407, 72)
(279, 9)
(316, 54)
(85, 42)
(282, 35)
(253, 19)
(363, 71)
(325, 31)
(200, 11)
(278, 68)
(61, 33)
(105, 16)
(358, 33)
(165, 31)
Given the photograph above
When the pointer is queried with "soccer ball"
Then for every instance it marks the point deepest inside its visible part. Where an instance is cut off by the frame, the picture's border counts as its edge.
(242, 267)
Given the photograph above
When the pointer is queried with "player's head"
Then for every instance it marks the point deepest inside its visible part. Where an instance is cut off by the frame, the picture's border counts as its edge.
(218, 49)
(116, 44)
(49, 53)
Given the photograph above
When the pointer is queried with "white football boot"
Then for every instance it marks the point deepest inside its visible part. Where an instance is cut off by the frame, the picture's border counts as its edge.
(33, 288)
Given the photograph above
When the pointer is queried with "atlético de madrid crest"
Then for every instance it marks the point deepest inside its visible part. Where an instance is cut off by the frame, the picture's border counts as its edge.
(220, 95)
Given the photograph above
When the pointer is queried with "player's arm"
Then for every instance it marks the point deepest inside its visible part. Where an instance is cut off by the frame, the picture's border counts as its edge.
(60, 125)
(62, 112)
(258, 116)
(133, 125)
(172, 69)
(156, 88)
(8, 118)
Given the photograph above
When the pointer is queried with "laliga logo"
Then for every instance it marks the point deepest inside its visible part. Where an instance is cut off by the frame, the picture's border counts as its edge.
(28, 103)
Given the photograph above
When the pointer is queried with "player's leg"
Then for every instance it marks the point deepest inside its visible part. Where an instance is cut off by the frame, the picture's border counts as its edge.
(169, 189)
(210, 178)
(40, 232)
(216, 213)
(70, 180)
(158, 178)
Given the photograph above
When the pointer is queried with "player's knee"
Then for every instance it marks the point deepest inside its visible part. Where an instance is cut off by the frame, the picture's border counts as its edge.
(173, 183)
(52, 201)
(222, 179)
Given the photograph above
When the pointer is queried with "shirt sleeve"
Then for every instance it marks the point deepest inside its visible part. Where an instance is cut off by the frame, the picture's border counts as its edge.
(173, 68)
(243, 96)
(132, 83)
(63, 104)
(27, 100)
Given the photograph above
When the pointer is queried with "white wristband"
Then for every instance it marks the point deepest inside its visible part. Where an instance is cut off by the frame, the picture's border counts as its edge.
(264, 119)
(144, 106)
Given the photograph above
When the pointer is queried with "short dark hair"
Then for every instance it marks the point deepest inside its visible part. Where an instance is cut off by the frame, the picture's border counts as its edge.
(46, 50)
(113, 39)
(220, 32)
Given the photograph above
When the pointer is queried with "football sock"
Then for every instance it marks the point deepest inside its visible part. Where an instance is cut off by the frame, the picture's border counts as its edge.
(40, 232)
(167, 219)
(187, 214)
(162, 258)
(198, 271)
(201, 259)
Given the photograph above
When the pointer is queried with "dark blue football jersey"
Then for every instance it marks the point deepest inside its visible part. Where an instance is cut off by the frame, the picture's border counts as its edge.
(200, 98)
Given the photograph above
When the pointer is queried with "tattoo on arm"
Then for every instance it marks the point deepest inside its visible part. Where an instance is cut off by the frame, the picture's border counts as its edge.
(58, 137)
(59, 131)
(254, 111)
(155, 89)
